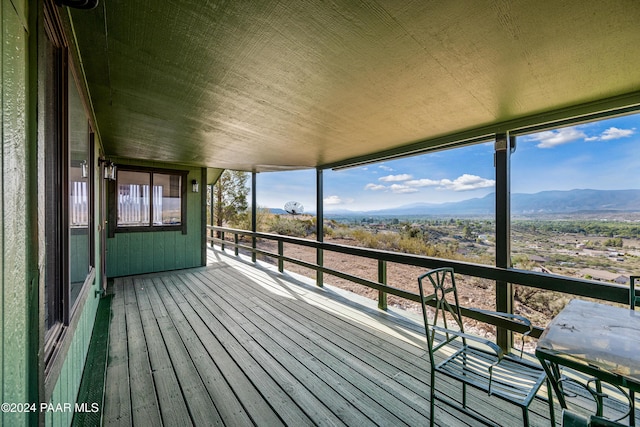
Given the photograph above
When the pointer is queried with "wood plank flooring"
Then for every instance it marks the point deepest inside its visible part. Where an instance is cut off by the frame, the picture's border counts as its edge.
(236, 345)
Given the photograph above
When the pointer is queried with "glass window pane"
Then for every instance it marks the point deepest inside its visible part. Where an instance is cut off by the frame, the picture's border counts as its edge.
(166, 199)
(133, 198)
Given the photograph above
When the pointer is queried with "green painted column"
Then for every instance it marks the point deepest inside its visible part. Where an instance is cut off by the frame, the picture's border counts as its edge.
(319, 224)
(203, 216)
(504, 290)
(254, 211)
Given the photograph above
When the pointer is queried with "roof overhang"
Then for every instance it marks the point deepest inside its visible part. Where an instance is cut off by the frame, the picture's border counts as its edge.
(279, 85)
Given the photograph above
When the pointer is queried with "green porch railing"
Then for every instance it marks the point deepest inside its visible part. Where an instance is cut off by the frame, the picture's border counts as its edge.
(568, 285)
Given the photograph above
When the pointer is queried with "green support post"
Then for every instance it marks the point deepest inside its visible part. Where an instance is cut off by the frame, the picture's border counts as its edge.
(211, 216)
(254, 223)
(280, 255)
(504, 290)
(319, 226)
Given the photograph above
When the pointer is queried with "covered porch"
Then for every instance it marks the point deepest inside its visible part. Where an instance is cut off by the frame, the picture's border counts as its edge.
(235, 343)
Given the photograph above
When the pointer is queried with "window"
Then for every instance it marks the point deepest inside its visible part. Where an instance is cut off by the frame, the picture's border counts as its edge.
(66, 151)
(80, 212)
(53, 107)
(150, 199)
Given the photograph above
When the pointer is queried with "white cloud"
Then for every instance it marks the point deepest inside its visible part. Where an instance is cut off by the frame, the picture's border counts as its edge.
(384, 167)
(468, 182)
(612, 133)
(464, 182)
(422, 183)
(552, 138)
(395, 178)
(332, 200)
(402, 189)
(375, 187)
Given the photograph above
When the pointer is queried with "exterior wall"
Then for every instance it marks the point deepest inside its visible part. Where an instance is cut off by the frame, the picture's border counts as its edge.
(18, 278)
(68, 384)
(147, 252)
(21, 236)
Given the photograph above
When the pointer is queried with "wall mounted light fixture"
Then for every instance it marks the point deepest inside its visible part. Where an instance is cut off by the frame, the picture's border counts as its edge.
(85, 169)
(194, 186)
(109, 171)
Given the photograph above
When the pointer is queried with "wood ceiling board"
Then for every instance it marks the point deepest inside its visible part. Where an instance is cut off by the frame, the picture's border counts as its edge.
(250, 84)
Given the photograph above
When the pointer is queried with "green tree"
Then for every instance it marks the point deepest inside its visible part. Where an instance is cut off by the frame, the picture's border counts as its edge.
(230, 195)
(615, 242)
(466, 231)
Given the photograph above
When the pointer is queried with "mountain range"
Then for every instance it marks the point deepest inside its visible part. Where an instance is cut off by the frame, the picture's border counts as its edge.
(544, 202)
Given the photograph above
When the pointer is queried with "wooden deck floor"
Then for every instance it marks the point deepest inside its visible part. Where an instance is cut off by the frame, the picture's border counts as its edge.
(235, 345)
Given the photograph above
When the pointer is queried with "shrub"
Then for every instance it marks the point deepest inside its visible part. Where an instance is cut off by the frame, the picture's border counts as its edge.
(289, 227)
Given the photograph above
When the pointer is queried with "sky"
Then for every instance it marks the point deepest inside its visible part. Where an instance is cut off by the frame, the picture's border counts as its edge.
(603, 155)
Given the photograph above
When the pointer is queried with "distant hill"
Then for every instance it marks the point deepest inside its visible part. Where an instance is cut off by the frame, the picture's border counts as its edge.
(576, 201)
(545, 202)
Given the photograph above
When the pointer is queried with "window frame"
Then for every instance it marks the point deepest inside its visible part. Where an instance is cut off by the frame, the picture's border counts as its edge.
(62, 313)
(113, 208)
(55, 220)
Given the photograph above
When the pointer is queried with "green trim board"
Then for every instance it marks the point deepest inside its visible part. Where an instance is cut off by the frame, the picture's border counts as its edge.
(66, 388)
(213, 174)
(152, 251)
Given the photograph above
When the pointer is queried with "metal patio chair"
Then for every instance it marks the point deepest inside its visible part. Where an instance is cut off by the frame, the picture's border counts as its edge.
(483, 366)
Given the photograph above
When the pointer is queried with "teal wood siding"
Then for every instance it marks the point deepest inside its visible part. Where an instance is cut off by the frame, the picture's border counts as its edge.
(18, 280)
(66, 389)
(149, 252)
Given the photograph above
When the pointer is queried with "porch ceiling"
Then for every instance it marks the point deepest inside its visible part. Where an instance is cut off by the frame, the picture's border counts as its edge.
(270, 85)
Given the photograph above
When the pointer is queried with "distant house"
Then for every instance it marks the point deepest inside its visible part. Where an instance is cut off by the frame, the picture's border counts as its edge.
(604, 276)
(536, 258)
(623, 280)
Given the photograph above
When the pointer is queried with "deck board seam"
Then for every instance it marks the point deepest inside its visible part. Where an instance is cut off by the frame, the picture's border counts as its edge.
(224, 347)
(365, 382)
(252, 330)
(296, 301)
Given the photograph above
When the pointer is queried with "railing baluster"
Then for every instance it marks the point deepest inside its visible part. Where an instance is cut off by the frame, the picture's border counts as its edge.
(280, 255)
(382, 278)
(222, 243)
(236, 239)
(253, 248)
(319, 262)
